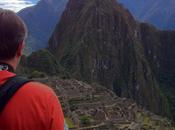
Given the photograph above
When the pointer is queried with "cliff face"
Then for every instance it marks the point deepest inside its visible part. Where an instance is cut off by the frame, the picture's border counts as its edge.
(159, 50)
(99, 41)
(167, 70)
(168, 54)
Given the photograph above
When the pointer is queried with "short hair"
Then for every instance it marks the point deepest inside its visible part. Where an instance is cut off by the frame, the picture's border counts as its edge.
(13, 31)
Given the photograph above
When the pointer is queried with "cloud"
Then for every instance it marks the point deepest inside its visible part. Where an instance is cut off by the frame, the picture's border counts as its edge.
(15, 5)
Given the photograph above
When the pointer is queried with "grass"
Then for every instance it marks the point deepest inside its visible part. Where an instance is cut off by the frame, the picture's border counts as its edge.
(69, 123)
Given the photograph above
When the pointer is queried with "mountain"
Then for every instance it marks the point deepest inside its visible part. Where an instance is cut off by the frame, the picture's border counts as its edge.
(41, 20)
(49, 12)
(159, 50)
(160, 13)
(99, 41)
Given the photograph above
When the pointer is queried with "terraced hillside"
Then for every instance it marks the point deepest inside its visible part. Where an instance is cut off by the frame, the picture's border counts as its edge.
(93, 107)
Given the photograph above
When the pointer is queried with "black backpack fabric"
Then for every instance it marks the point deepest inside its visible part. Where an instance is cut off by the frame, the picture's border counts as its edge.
(9, 88)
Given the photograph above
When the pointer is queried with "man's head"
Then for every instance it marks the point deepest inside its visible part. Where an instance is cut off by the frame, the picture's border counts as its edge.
(13, 33)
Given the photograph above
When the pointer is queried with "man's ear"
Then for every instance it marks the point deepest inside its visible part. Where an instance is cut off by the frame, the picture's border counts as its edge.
(20, 49)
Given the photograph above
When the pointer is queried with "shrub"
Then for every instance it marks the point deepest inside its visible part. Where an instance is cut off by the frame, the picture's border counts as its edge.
(37, 74)
(85, 120)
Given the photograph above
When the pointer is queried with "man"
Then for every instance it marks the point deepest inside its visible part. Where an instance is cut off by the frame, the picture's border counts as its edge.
(34, 106)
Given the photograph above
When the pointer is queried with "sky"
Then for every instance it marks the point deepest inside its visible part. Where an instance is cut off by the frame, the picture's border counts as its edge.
(16, 5)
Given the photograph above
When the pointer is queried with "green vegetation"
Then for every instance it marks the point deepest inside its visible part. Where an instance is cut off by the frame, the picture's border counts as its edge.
(74, 101)
(169, 92)
(73, 106)
(44, 61)
(85, 120)
(69, 122)
(152, 122)
(37, 74)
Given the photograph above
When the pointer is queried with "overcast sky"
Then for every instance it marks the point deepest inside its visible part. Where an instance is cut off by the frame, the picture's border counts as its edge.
(16, 5)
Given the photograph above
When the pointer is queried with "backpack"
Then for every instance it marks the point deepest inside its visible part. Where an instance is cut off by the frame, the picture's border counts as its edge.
(9, 88)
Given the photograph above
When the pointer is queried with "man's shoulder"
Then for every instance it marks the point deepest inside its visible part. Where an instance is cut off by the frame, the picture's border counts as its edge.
(36, 89)
(37, 85)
